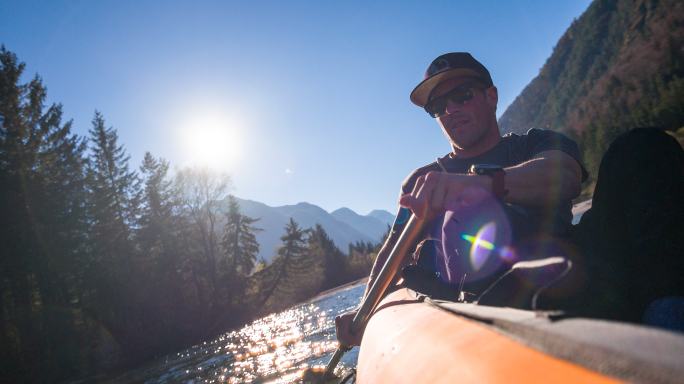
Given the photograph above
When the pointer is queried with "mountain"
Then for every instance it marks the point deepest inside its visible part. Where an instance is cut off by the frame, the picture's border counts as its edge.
(382, 215)
(369, 225)
(272, 221)
(617, 67)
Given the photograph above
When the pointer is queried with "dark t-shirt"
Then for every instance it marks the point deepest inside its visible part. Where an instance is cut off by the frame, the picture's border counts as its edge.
(510, 151)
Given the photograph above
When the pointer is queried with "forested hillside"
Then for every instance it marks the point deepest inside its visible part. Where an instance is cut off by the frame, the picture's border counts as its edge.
(619, 66)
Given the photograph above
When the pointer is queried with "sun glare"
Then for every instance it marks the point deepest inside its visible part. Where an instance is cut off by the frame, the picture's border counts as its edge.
(212, 140)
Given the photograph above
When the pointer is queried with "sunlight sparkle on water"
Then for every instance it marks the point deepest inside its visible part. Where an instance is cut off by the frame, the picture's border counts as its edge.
(274, 349)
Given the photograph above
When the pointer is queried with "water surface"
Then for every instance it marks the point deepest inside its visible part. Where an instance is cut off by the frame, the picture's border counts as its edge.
(273, 349)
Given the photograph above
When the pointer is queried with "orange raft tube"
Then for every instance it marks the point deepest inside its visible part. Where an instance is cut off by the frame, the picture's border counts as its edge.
(412, 339)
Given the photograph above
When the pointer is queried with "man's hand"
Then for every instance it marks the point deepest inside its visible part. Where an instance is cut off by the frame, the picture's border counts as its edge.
(436, 191)
(345, 336)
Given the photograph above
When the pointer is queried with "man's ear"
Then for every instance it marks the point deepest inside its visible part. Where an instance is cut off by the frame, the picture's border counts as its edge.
(492, 96)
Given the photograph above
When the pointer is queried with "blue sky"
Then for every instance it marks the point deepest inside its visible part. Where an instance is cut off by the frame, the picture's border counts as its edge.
(295, 100)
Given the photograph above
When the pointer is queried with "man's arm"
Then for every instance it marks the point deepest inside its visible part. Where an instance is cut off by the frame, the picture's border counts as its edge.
(547, 178)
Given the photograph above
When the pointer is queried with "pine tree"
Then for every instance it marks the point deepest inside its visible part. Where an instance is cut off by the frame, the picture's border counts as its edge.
(58, 212)
(288, 278)
(166, 294)
(114, 194)
(360, 259)
(239, 241)
(323, 251)
(157, 225)
(158, 235)
(113, 203)
(43, 221)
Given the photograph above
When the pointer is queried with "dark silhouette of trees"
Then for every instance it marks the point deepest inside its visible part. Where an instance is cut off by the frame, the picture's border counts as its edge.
(160, 238)
(113, 203)
(286, 267)
(361, 257)
(239, 240)
(43, 239)
(334, 263)
(200, 192)
(103, 266)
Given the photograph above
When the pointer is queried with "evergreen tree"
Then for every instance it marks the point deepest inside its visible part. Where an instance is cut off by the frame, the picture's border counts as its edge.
(113, 202)
(170, 307)
(323, 251)
(361, 256)
(43, 221)
(292, 275)
(157, 232)
(239, 241)
(114, 194)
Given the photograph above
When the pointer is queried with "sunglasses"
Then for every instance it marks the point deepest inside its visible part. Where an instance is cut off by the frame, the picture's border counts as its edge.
(459, 95)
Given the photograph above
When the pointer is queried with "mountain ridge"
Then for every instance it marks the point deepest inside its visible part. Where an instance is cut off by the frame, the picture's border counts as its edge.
(272, 221)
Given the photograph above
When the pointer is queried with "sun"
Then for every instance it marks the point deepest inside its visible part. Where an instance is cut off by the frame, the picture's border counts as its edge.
(211, 139)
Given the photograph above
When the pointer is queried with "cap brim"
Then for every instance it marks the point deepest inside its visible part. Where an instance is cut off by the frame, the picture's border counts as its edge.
(419, 95)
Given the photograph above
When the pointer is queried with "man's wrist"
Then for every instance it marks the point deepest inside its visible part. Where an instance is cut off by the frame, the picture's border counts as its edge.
(477, 181)
(496, 176)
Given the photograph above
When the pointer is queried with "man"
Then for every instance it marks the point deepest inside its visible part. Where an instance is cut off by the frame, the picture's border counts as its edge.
(498, 192)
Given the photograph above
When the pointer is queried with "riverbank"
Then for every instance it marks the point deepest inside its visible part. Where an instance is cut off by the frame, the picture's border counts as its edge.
(338, 289)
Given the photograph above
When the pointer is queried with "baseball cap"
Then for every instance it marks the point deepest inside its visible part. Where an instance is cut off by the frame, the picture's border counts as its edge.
(446, 66)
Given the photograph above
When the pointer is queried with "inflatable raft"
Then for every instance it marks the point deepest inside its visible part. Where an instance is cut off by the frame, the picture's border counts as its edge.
(414, 339)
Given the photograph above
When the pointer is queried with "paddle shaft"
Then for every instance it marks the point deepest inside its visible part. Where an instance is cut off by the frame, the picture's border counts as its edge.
(389, 271)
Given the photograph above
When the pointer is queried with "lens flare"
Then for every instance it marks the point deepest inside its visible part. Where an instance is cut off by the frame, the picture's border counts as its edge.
(482, 245)
(480, 242)
(474, 241)
(508, 254)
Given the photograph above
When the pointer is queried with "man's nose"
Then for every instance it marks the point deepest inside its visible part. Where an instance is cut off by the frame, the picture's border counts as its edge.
(452, 106)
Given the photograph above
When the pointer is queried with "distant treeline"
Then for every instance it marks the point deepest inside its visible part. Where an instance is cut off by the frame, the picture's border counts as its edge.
(102, 266)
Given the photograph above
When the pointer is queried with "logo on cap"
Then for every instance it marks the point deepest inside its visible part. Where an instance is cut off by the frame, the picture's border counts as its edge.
(438, 65)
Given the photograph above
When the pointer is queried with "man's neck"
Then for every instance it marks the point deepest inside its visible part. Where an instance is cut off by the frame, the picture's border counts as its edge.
(488, 142)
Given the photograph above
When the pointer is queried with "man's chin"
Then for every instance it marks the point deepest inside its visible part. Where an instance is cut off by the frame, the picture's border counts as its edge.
(459, 139)
(461, 143)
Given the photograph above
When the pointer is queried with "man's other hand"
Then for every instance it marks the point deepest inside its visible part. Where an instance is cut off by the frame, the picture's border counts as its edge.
(345, 336)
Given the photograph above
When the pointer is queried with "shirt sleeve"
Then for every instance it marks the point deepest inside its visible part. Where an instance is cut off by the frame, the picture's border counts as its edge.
(403, 214)
(410, 180)
(540, 140)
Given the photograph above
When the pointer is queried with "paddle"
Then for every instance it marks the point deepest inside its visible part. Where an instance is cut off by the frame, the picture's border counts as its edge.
(389, 271)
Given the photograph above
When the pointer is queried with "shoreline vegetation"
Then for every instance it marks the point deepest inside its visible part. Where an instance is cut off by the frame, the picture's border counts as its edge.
(106, 266)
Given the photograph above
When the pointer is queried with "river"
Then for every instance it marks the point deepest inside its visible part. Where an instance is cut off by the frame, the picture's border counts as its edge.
(273, 349)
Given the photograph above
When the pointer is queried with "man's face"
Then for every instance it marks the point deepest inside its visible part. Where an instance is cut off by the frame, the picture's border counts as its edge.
(468, 123)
